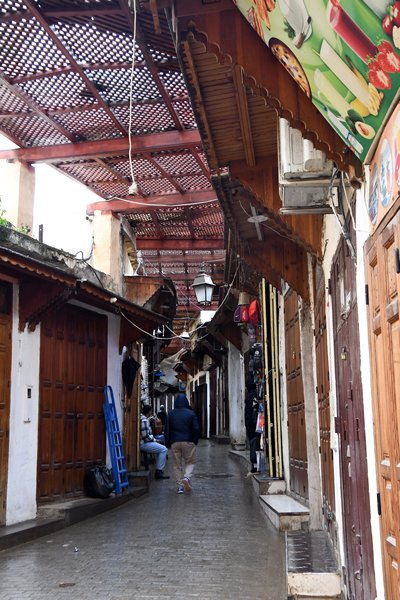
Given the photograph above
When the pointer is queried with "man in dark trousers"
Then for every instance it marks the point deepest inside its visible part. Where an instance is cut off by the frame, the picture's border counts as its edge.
(250, 421)
(181, 435)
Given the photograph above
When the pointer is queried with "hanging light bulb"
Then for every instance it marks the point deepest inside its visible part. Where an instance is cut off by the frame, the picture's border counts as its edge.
(185, 335)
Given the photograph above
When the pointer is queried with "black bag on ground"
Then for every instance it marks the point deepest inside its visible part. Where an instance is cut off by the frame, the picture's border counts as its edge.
(99, 482)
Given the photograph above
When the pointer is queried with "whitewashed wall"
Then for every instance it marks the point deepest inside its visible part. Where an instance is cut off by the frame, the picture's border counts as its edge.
(23, 436)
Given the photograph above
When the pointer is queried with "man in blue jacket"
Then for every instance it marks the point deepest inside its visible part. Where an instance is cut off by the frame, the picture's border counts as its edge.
(181, 435)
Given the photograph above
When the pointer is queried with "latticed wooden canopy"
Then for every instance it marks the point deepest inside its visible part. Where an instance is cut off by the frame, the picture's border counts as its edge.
(69, 97)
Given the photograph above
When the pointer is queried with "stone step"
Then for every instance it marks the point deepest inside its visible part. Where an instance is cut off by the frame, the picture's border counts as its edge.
(267, 485)
(286, 513)
(312, 570)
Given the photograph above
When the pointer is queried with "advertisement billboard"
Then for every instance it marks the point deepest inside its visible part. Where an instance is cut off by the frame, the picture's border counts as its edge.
(344, 55)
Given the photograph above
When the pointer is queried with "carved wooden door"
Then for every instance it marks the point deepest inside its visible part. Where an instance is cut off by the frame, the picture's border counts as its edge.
(360, 580)
(298, 464)
(73, 373)
(5, 373)
(324, 410)
(383, 263)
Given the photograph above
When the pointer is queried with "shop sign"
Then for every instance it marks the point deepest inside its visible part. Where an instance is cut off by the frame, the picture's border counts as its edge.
(384, 180)
(344, 55)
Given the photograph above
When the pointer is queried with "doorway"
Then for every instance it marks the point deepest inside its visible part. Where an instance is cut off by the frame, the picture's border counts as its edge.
(73, 373)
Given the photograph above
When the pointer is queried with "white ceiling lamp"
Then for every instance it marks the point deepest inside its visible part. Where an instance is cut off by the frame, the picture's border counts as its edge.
(203, 287)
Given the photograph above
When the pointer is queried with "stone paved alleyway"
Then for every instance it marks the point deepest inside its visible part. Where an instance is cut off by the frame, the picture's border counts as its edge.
(214, 543)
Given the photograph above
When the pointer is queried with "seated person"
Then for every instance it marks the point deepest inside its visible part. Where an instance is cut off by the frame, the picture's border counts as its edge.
(148, 443)
(162, 415)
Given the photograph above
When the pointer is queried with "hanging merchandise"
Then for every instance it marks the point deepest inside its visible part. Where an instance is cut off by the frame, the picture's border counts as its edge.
(260, 419)
(236, 315)
(254, 312)
(251, 332)
(257, 362)
(244, 313)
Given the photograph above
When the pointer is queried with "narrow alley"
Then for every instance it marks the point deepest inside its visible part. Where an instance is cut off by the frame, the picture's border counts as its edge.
(213, 543)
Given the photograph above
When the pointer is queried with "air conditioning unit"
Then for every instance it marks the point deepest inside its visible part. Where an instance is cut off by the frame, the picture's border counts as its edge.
(304, 174)
(308, 197)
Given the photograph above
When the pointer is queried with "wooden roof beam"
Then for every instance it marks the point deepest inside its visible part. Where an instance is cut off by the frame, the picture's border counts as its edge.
(179, 259)
(244, 119)
(19, 93)
(164, 173)
(186, 56)
(180, 244)
(152, 142)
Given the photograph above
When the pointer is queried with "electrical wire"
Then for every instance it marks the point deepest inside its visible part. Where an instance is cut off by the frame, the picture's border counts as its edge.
(85, 259)
(131, 93)
(144, 203)
(342, 225)
(349, 206)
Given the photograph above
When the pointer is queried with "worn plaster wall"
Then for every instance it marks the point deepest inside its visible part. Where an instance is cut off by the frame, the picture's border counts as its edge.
(311, 409)
(236, 388)
(17, 192)
(107, 253)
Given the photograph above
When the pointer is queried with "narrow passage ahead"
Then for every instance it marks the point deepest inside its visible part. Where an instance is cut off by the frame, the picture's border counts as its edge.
(213, 543)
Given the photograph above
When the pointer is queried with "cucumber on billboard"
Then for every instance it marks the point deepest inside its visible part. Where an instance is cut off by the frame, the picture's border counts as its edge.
(344, 55)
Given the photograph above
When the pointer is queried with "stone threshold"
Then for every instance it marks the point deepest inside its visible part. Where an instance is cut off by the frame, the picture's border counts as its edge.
(312, 570)
(285, 513)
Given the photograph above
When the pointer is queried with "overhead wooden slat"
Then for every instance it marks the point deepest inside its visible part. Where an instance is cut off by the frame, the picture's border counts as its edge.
(156, 142)
(245, 126)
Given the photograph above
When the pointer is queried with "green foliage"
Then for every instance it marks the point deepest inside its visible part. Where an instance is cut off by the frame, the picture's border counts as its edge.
(5, 223)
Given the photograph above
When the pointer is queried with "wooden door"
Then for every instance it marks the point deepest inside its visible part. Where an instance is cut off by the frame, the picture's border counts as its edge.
(383, 263)
(5, 373)
(360, 580)
(73, 373)
(295, 398)
(324, 410)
